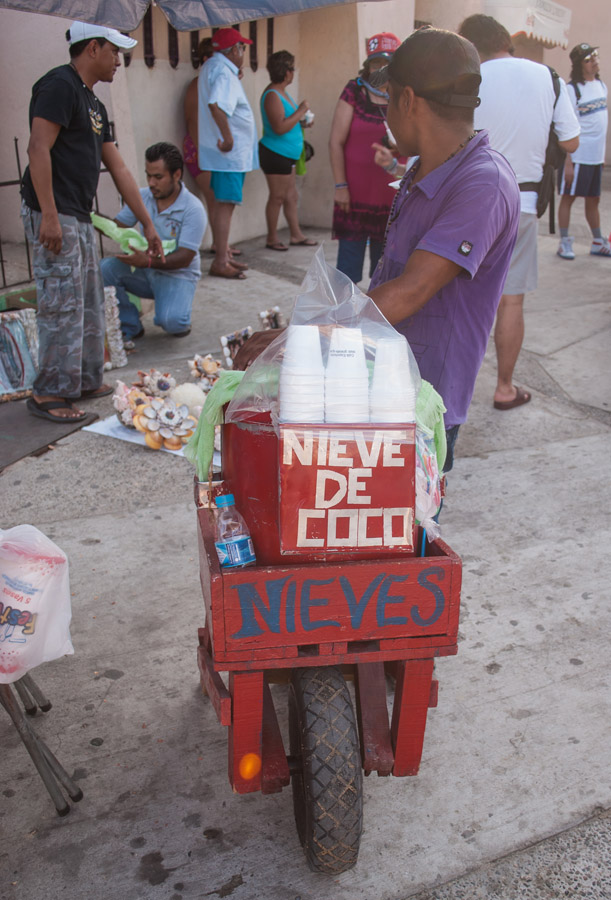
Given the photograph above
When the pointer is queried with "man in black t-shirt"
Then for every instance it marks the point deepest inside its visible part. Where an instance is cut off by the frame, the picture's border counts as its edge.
(70, 139)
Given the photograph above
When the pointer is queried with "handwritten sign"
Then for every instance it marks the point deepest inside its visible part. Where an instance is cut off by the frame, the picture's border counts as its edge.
(348, 604)
(346, 488)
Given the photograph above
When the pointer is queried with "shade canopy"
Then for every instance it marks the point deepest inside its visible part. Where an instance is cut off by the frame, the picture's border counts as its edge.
(543, 20)
(184, 15)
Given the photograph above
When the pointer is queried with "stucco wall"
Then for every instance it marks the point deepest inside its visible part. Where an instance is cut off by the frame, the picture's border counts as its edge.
(30, 45)
(146, 103)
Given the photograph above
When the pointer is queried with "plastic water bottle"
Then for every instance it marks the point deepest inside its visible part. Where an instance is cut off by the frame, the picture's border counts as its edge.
(232, 539)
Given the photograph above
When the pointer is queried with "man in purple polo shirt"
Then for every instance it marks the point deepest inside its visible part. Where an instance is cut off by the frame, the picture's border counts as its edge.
(453, 225)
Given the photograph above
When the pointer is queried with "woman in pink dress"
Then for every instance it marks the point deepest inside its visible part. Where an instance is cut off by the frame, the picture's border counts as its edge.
(362, 194)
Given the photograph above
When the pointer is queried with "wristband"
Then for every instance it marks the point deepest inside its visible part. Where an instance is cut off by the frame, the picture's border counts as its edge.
(342, 185)
(391, 168)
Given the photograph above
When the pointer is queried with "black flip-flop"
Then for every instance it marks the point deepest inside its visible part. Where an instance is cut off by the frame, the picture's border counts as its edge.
(306, 242)
(277, 246)
(42, 410)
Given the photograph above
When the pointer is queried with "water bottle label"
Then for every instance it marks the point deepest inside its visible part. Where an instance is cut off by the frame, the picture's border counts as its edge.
(237, 552)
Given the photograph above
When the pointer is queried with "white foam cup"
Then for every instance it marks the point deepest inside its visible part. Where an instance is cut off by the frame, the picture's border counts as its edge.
(302, 349)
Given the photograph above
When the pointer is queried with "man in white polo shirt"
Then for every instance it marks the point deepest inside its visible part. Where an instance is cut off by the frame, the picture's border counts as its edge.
(518, 106)
(177, 215)
(227, 139)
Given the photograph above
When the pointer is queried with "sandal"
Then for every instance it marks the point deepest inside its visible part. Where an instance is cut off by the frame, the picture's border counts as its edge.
(103, 391)
(276, 246)
(306, 242)
(229, 272)
(520, 399)
(42, 410)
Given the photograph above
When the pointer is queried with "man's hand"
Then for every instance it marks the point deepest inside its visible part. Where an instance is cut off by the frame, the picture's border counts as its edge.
(225, 145)
(154, 241)
(383, 156)
(569, 170)
(50, 235)
(139, 259)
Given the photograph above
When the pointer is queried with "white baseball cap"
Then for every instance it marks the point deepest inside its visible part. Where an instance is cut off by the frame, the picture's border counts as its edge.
(83, 31)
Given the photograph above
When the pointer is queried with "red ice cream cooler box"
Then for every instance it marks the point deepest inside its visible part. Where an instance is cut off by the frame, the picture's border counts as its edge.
(314, 493)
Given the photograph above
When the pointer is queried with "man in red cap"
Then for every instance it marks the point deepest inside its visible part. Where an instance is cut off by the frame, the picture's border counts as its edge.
(227, 139)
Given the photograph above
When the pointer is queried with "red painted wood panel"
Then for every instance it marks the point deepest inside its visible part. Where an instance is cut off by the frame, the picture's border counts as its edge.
(372, 715)
(339, 484)
(245, 731)
(412, 695)
(212, 683)
(275, 774)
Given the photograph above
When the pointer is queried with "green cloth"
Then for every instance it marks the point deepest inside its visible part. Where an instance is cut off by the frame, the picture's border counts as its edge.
(129, 239)
(200, 447)
(429, 417)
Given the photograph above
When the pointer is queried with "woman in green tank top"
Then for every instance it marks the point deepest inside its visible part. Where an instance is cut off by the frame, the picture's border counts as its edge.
(280, 148)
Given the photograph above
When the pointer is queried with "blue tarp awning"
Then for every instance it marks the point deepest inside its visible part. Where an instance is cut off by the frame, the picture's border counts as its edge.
(184, 15)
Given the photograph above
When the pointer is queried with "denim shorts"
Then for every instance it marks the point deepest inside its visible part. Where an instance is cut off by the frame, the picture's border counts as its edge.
(227, 186)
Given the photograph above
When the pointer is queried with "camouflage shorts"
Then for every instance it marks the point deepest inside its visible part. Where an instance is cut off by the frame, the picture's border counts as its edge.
(70, 302)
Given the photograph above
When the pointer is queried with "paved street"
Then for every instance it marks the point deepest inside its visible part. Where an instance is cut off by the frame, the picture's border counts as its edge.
(513, 796)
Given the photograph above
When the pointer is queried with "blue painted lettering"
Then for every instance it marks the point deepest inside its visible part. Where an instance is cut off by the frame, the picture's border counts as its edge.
(384, 598)
(358, 607)
(440, 600)
(307, 602)
(250, 599)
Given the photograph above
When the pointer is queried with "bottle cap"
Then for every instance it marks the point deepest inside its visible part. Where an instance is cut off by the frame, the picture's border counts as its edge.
(225, 500)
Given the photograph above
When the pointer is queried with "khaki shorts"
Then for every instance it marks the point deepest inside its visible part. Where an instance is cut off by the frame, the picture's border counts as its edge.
(523, 269)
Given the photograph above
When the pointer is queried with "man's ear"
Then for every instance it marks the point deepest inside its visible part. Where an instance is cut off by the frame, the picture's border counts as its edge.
(408, 98)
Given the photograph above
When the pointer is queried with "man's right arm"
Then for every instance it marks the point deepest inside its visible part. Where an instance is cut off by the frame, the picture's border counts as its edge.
(225, 143)
(42, 138)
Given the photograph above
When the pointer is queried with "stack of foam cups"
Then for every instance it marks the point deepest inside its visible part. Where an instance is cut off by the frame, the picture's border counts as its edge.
(302, 376)
(346, 378)
(393, 394)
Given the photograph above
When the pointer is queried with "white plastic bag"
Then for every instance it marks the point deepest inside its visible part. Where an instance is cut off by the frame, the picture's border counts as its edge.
(35, 608)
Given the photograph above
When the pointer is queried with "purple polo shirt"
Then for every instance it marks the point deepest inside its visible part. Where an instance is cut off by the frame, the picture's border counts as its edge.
(466, 210)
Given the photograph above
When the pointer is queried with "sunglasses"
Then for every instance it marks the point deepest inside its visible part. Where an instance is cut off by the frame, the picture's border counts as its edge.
(591, 57)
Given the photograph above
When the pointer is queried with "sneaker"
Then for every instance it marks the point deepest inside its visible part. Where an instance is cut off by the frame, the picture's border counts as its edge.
(565, 249)
(600, 247)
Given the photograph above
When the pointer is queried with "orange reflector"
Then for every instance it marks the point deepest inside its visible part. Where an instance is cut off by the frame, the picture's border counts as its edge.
(250, 766)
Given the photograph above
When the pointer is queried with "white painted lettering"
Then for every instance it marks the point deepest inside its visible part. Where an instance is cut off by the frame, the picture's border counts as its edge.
(334, 515)
(355, 484)
(302, 528)
(392, 448)
(403, 538)
(364, 516)
(322, 476)
(337, 446)
(293, 445)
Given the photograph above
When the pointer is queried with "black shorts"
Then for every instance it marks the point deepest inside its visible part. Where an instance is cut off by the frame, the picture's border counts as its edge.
(587, 181)
(274, 164)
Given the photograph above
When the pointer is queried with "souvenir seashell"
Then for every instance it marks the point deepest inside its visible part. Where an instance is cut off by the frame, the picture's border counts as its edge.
(148, 412)
(153, 440)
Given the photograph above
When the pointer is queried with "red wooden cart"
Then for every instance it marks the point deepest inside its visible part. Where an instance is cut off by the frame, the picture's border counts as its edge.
(376, 616)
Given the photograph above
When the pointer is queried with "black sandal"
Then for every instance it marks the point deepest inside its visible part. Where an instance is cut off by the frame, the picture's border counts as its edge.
(42, 410)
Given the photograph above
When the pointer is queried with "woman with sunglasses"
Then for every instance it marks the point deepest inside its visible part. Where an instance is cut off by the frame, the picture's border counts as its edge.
(280, 148)
(582, 173)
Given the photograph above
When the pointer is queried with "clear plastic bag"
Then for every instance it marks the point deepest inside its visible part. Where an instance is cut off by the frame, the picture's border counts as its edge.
(34, 602)
(428, 485)
(329, 300)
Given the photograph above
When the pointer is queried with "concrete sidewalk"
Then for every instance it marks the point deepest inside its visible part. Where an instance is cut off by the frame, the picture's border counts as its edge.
(514, 786)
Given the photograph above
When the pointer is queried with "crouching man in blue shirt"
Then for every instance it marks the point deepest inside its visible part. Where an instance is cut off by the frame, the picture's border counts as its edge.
(177, 215)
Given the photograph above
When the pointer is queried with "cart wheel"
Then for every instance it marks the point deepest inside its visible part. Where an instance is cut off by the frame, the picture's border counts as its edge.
(327, 778)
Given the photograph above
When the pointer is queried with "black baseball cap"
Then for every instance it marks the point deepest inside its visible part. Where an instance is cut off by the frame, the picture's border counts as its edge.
(581, 51)
(438, 65)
